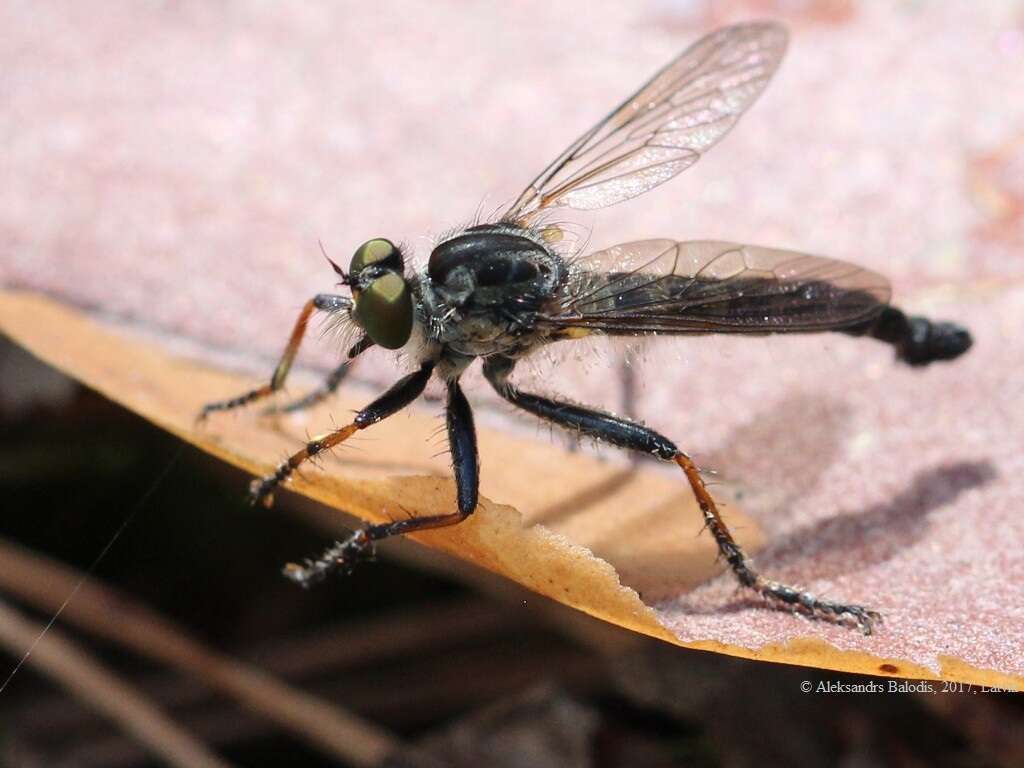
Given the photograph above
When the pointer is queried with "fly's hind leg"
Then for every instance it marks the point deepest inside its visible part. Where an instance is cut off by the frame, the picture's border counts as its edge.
(343, 555)
(323, 302)
(635, 437)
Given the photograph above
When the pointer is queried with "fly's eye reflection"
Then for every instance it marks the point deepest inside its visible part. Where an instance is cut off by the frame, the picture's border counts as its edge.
(498, 291)
(384, 310)
(380, 254)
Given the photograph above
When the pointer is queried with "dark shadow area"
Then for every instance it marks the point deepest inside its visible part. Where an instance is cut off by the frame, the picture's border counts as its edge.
(879, 532)
(580, 501)
(867, 537)
(811, 427)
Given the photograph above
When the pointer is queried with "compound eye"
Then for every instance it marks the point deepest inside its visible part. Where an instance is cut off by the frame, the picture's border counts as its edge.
(378, 252)
(384, 309)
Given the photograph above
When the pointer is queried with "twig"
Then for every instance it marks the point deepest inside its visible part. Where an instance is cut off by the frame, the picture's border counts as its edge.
(66, 663)
(422, 689)
(105, 611)
(421, 632)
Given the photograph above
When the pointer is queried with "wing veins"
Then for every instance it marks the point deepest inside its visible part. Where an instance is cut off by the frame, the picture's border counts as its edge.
(767, 290)
(692, 103)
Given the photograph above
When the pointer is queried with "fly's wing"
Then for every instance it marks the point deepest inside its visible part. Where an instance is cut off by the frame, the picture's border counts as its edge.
(664, 286)
(663, 128)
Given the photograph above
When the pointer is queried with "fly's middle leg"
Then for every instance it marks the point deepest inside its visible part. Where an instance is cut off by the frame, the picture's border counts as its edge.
(343, 555)
(400, 395)
(636, 437)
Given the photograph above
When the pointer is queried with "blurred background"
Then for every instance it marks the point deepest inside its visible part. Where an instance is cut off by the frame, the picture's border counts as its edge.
(171, 166)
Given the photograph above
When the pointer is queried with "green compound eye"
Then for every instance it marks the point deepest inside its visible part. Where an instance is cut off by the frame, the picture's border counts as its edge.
(377, 252)
(384, 310)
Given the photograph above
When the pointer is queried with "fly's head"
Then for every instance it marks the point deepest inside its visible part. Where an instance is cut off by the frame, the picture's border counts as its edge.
(383, 300)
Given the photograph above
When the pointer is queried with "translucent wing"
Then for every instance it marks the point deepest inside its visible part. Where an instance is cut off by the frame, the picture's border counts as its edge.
(664, 286)
(663, 128)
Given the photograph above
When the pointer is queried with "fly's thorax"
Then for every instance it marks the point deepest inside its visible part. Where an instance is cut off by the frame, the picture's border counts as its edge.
(484, 287)
(494, 265)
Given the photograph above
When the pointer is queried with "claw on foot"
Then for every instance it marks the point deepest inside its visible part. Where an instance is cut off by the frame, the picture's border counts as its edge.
(342, 556)
(800, 601)
(259, 493)
(866, 620)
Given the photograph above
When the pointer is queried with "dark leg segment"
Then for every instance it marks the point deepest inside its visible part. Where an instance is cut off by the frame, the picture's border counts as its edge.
(917, 340)
(343, 555)
(395, 399)
(634, 437)
(462, 442)
(323, 302)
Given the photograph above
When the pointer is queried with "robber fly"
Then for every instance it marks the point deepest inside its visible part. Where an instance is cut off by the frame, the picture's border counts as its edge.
(503, 289)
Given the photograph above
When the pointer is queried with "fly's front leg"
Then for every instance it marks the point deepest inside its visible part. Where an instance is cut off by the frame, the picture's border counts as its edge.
(343, 555)
(323, 302)
(331, 383)
(635, 437)
(395, 399)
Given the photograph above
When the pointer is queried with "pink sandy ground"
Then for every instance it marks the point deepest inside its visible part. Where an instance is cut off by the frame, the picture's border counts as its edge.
(174, 165)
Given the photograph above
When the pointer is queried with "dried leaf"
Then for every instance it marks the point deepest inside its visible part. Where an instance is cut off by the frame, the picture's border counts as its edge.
(586, 528)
